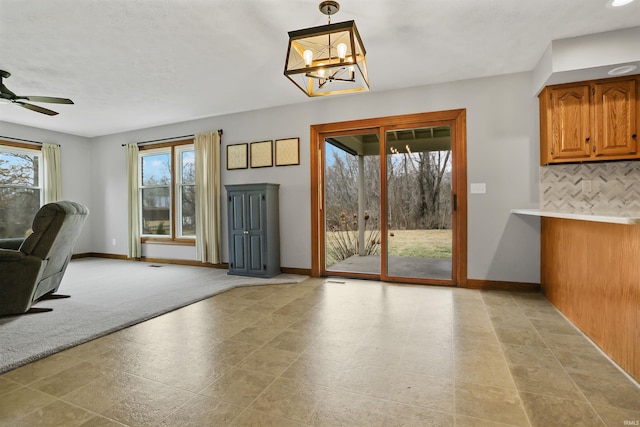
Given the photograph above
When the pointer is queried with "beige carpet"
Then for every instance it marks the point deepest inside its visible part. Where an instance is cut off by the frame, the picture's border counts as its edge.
(108, 295)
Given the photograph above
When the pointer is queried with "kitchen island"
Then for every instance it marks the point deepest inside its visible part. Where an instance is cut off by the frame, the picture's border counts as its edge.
(590, 271)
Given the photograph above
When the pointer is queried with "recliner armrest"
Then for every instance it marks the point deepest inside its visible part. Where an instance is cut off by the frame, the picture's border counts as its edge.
(15, 264)
(19, 273)
(13, 243)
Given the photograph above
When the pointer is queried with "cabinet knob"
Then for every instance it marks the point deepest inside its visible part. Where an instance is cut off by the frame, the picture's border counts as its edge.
(634, 136)
(588, 139)
(246, 231)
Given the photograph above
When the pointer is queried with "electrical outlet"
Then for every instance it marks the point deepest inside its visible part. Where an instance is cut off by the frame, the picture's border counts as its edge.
(113, 242)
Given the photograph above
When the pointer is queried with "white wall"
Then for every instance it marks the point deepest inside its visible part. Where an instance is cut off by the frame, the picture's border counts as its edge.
(586, 57)
(75, 160)
(502, 151)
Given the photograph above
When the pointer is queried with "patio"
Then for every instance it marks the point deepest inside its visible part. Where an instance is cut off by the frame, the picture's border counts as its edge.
(398, 266)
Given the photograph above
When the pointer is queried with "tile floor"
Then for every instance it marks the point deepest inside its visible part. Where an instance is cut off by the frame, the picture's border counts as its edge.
(323, 353)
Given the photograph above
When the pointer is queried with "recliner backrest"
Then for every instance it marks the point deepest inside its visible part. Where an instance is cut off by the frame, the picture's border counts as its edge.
(56, 228)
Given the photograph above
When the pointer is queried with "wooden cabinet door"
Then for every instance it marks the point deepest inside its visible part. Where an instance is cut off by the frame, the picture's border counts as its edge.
(255, 227)
(237, 235)
(570, 123)
(615, 118)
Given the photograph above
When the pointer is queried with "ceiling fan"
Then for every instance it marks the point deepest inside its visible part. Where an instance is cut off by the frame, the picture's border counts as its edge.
(6, 94)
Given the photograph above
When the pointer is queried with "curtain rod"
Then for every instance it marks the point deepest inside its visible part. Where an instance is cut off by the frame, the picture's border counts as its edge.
(28, 141)
(169, 139)
(22, 140)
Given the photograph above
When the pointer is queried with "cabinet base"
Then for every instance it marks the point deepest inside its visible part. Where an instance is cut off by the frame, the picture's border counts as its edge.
(267, 275)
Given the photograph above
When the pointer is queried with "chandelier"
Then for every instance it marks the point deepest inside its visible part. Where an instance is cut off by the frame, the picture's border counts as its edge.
(329, 59)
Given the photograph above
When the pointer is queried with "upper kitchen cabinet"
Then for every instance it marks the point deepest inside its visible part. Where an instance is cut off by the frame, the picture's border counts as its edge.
(615, 105)
(565, 123)
(589, 121)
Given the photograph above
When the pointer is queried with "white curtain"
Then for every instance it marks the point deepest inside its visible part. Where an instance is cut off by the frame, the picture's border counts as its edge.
(135, 248)
(52, 179)
(207, 148)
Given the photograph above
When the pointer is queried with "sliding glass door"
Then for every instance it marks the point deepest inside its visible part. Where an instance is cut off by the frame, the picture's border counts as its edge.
(419, 204)
(390, 198)
(352, 239)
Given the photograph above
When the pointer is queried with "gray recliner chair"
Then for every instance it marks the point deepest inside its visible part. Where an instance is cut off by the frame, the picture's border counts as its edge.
(34, 270)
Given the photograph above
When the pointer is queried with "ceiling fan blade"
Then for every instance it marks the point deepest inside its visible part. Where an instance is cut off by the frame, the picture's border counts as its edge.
(36, 108)
(50, 99)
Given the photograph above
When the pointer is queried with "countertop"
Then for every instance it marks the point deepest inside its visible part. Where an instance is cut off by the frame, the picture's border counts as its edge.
(615, 217)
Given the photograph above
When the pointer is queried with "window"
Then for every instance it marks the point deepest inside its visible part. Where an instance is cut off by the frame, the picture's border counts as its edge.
(187, 191)
(167, 191)
(20, 188)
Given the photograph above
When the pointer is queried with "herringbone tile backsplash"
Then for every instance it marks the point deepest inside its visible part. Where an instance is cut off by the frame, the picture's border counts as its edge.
(614, 186)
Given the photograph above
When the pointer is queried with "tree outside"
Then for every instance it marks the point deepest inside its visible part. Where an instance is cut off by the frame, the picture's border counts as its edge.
(188, 189)
(341, 205)
(419, 204)
(19, 193)
(156, 194)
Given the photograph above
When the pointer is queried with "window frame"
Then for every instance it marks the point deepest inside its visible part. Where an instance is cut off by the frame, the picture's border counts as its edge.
(174, 149)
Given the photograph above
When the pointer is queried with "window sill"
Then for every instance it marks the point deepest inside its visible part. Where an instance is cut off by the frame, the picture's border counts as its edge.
(178, 242)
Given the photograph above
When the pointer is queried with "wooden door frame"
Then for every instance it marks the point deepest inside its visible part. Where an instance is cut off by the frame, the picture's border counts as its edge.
(454, 118)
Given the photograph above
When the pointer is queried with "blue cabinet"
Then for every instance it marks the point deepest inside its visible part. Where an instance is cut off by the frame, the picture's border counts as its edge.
(254, 229)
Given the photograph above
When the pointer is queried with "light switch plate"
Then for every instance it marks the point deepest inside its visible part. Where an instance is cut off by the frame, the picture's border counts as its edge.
(478, 188)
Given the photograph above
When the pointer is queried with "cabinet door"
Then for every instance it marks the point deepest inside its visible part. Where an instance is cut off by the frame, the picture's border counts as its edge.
(615, 118)
(256, 228)
(570, 123)
(237, 235)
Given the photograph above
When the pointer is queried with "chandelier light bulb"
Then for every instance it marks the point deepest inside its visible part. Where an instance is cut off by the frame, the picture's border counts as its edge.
(308, 57)
(321, 72)
(342, 51)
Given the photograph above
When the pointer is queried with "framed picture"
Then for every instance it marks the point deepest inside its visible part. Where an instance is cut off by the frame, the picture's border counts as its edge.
(261, 154)
(237, 156)
(287, 152)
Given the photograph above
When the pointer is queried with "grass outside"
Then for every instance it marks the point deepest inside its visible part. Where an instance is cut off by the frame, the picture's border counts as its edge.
(415, 243)
(420, 243)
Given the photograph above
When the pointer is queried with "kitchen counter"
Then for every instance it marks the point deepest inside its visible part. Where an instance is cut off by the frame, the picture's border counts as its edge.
(612, 217)
(588, 270)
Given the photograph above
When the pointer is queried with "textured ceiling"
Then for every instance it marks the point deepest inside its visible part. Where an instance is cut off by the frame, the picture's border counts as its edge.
(132, 64)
